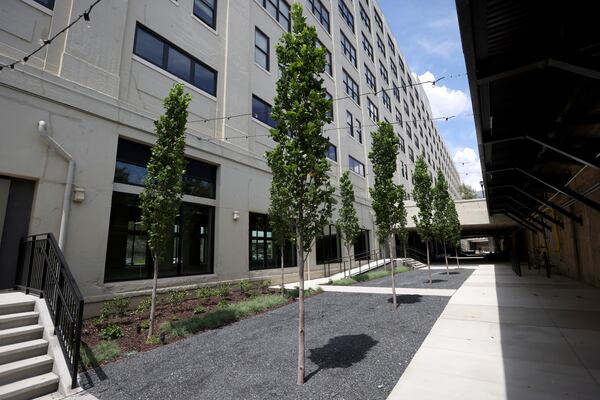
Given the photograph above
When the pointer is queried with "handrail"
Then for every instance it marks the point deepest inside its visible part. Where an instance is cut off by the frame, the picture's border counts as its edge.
(48, 275)
(368, 256)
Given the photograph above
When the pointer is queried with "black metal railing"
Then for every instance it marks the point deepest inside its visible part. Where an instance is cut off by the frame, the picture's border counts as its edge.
(44, 271)
(416, 254)
(350, 262)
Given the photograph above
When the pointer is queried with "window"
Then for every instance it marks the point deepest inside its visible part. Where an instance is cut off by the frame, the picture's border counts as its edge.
(396, 93)
(264, 252)
(386, 100)
(166, 56)
(46, 3)
(403, 83)
(261, 49)
(332, 152)
(373, 111)
(417, 146)
(378, 20)
(320, 12)
(380, 45)
(199, 179)
(370, 78)
(189, 250)
(394, 69)
(349, 50)
(206, 10)
(367, 46)
(365, 18)
(408, 131)
(356, 166)
(328, 246)
(351, 87)
(383, 72)
(406, 109)
(280, 10)
(328, 59)
(261, 110)
(350, 123)
(346, 14)
(398, 117)
(358, 130)
(330, 97)
(401, 64)
(391, 44)
(402, 146)
(411, 154)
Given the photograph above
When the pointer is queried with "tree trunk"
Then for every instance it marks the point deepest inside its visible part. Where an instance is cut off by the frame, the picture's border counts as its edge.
(428, 263)
(349, 261)
(392, 268)
(456, 253)
(153, 303)
(282, 279)
(446, 257)
(308, 266)
(404, 245)
(300, 255)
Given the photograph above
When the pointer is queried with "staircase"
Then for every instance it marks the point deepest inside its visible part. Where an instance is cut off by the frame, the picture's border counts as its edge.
(414, 264)
(26, 368)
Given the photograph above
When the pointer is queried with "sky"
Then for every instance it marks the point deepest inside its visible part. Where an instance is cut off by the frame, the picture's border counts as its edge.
(428, 36)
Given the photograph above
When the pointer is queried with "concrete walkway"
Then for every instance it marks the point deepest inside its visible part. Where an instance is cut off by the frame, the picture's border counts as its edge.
(507, 337)
(388, 290)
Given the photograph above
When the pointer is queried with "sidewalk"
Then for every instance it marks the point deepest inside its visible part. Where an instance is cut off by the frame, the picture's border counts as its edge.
(507, 337)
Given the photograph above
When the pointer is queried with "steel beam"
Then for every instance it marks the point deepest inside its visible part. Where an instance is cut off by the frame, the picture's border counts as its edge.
(541, 213)
(565, 191)
(522, 223)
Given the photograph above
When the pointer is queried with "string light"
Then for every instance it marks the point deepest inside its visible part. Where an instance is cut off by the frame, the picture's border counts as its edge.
(45, 42)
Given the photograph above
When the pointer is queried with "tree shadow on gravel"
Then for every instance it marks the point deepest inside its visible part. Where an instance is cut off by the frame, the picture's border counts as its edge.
(406, 299)
(449, 273)
(435, 281)
(341, 352)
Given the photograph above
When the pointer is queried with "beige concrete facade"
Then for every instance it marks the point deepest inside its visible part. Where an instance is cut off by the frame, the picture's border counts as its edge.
(91, 90)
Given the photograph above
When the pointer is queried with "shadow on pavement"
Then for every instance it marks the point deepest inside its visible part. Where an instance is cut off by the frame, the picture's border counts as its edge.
(406, 299)
(341, 352)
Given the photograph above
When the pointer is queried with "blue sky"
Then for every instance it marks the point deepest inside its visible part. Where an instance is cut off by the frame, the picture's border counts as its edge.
(428, 36)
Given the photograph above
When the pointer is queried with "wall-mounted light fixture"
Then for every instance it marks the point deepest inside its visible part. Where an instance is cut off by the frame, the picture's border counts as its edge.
(236, 215)
(78, 195)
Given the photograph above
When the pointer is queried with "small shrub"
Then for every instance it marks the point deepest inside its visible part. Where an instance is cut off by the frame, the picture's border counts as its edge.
(177, 297)
(344, 282)
(245, 286)
(153, 340)
(144, 306)
(92, 357)
(199, 310)
(265, 284)
(360, 278)
(111, 332)
(118, 305)
(98, 322)
(223, 303)
(145, 324)
(203, 293)
(224, 290)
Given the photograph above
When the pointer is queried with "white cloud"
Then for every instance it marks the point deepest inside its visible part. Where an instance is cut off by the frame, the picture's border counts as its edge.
(468, 166)
(444, 48)
(443, 100)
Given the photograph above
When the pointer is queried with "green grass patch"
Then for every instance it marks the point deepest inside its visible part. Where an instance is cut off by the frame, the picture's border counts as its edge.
(367, 276)
(223, 315)
(294, 293)
(92, 357)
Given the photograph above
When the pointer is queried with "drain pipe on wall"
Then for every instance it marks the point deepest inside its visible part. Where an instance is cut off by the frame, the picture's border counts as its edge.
(66, 206)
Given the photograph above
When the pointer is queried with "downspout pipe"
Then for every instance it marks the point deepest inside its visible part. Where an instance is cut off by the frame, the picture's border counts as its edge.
(66, 206)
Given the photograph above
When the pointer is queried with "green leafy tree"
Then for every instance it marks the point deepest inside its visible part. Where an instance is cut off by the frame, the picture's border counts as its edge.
(400, 219)
(347, 223)
(441, 228)
(454, 224)
(466, 192)
(161, 197)
(298, 160)
(384, 193)
(423, 196)
(279, 219)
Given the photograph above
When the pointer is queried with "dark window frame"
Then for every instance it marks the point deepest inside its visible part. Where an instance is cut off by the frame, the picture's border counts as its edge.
(213, 8)
(351, 88)
(266, 53)
(277, 5)
(348, 49)
(346, 14)
(319, 10)
(353, 163)
(368, 47)
(259, 115)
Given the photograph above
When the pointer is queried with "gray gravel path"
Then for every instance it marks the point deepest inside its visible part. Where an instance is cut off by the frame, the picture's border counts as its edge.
(419, 278)
(357, 348)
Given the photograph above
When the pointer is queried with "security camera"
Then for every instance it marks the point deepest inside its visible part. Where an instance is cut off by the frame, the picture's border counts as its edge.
(42, 127)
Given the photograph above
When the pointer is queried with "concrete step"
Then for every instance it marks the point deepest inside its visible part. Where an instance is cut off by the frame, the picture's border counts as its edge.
(20, 334)
(18, 319)
(30, 388)
(23, 350)
(14, 306)
(24, 369)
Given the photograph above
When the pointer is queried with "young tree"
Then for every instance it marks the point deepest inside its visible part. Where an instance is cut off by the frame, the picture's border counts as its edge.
(399, 217)
(384, 192)
(279, 219)
(454, 223)
(423, 197)
(347, 224)
(466, 192)
(298, 160)
(161, 197)
(440, 226)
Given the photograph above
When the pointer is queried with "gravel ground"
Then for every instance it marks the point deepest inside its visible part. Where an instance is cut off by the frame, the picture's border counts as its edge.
(356, 348)
(419, 278)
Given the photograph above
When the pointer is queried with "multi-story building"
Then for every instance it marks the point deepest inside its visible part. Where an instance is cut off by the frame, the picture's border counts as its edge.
(99, 86)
